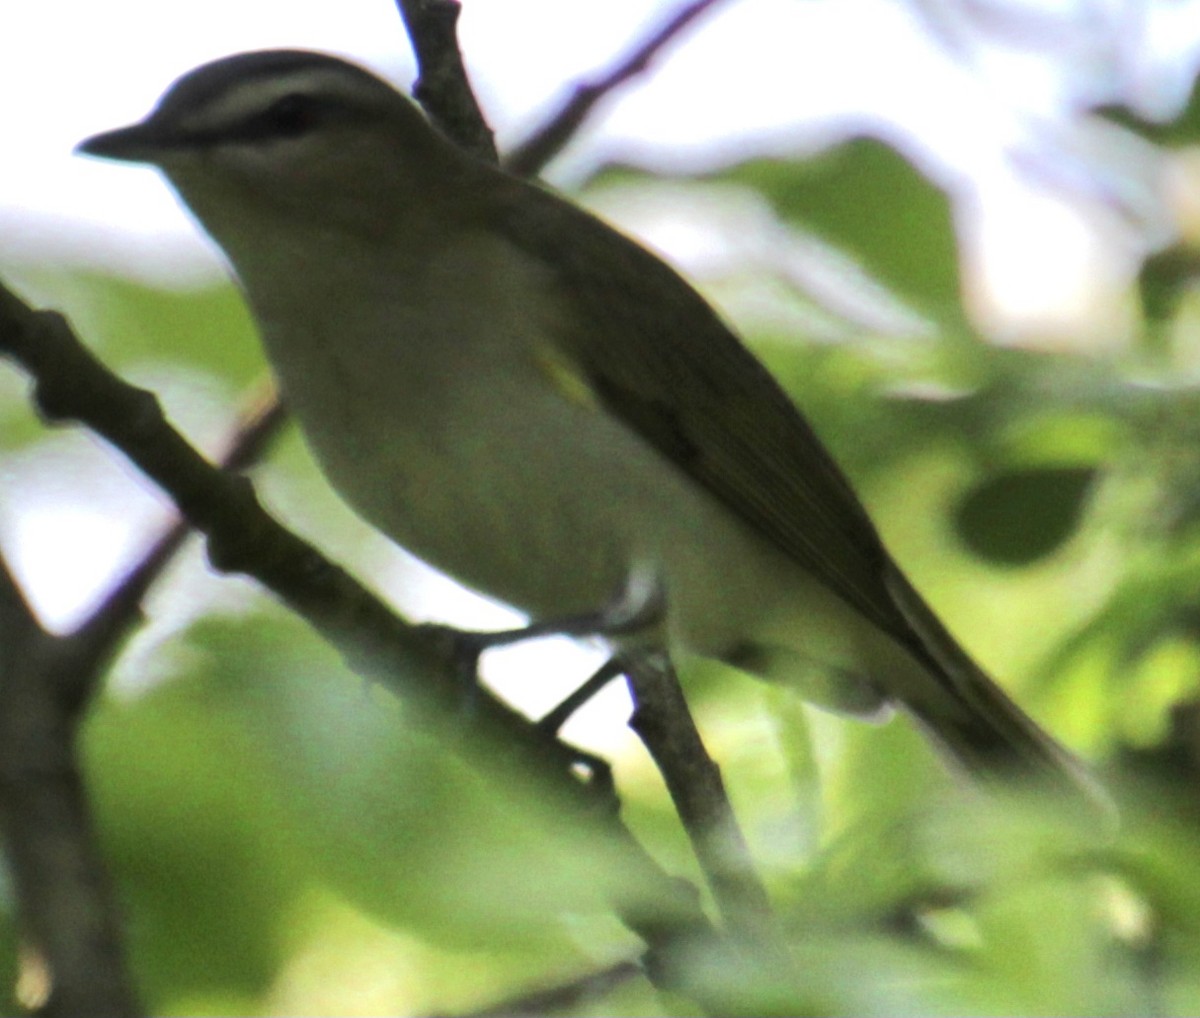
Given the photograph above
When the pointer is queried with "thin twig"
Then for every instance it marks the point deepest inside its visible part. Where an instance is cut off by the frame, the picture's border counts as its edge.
(664, 723)
(101, 634)
(442, 86)
(556, 719)
(531, 156)
(261, 419)
(556, 999)
(74, 957)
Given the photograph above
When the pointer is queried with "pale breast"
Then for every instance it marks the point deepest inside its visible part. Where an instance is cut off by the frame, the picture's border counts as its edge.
(446, 419)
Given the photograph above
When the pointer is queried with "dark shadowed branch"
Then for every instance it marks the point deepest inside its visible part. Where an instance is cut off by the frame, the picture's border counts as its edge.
(555, 999)
(663, 722)
(73, 961)
(442, 86)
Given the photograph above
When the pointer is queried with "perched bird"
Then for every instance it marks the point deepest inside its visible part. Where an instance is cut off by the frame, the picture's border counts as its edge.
(532, 402)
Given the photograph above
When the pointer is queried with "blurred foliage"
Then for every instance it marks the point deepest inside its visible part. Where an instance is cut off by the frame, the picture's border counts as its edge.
(861, 196)
(286, 841)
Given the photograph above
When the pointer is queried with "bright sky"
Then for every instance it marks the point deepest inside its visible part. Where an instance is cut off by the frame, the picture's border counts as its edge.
(745, 77)
(754, 69)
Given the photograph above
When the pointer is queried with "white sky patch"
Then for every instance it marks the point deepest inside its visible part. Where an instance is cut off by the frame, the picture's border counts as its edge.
(82, 548)
(67, 551)
(747, 75)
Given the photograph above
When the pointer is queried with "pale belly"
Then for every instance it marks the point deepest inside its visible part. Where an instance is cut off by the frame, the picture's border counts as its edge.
(549, 506)
(533, 497)
(529, 492)
(545, 503)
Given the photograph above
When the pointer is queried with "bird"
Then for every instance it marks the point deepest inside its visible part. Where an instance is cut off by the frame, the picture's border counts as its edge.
(531, 401)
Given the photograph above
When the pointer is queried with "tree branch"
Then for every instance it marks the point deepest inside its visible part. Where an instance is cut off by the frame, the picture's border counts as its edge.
(442, 86)
(664, 723)
(531, 156)
(555, 999)
(74, 960)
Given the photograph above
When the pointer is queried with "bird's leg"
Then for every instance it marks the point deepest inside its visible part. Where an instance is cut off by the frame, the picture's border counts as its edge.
(552, 722)
(640, 604)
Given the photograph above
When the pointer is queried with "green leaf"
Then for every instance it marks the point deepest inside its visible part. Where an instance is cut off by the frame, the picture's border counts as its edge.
(1023, 515)
(203, 863)
(865, 198)
(1164, 280)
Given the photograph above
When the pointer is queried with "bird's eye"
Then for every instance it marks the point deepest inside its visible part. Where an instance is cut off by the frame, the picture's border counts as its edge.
(290, 116)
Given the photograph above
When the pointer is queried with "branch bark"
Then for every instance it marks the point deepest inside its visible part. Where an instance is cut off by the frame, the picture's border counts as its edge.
(73, 962)
(664, 723)
(442, 87)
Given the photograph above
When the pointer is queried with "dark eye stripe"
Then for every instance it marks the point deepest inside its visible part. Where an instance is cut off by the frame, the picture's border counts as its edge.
(287, 117)
(291, 116)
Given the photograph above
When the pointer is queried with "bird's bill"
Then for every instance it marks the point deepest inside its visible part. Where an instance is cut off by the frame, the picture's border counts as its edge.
(137, 143)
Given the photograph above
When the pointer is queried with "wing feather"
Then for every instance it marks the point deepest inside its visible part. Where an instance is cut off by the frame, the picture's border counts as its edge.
(662, 360)
(720, 417)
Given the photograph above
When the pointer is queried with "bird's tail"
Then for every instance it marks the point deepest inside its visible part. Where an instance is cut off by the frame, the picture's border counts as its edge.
(973, 718)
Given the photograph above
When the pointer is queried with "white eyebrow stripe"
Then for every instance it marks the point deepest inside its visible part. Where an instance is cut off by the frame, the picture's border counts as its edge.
(245, 99)
(228, 95)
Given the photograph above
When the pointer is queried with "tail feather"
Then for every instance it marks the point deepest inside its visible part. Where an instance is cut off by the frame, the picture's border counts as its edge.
(972, 717)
